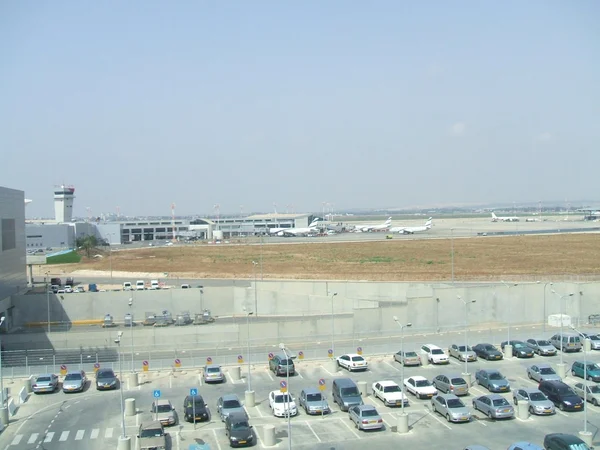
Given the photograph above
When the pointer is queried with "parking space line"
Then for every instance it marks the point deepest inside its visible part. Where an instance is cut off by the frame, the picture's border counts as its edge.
(269, 375)
(454, 362)
(561, 413)
(332, 374)
(480, 391)
(527, 380)
(395, 368)
(434, 415)
(348, 426)
(299, 374)
(216, 439)
(313, 431)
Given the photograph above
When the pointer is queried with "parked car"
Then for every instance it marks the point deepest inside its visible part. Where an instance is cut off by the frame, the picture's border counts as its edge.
(409, 358)
(594, 340)
(487, 351)
(365, 417)
(164, 412)
(282, 365)
(152, 436)
(106, 379)
(345, 393)
(492, 380)
(512, 342)
(313, 401)
(562, 441)
(561, 395)
(213, 374)
(238, 430)
(538, 402)
(420, 387)
(522, 350)
(494, 406)
(542, 347)
(352, 362)
(140, 285)
(434, 354)
(154, 285)
(282, 404)
(589, 371)
(127, 286)
(541, 372)
(593, 392)
(74, 381)
(568, 342)
(79, 289)
(47, 382)
(389, 393)
(68, 289)
(194, 409)
(451, 384)
(525, 446)
(462, 352)
(451, 407)
(229, 404)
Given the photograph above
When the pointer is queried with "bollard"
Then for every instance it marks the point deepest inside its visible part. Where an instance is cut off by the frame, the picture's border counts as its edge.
(362, 387)
(124, 443)
(424, 360)
(28, 384)
(468, 379)
(402, 423)
(4, 416)
(250, 399)
(133, 380)
(508, 351)
(587, 346)
(236, 373)
(332, 366)
(523, 410)
(130, 407)
(586, 436)
(269, 435)
(561, 370)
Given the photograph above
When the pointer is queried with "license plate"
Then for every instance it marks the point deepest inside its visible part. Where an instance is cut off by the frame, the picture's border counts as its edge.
(497, 357)
(242, 442)
(505, 410)
(503, 388)
(317, 410)
(398, 403)
(429, 395)
(372, 421)
(464, 419)
(577, 406)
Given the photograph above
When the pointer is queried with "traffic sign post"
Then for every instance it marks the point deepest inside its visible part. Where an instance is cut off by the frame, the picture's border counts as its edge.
(156, 395)
(240, 359)
(96, 367)
(145, 366)
(178, 363)
(283, 386)
(322, 384)
(208, 361)
(193, 393)
(301, 355)
(63, 369)
(271, 355)
(330, 353)
(359, 350)
(322, 389)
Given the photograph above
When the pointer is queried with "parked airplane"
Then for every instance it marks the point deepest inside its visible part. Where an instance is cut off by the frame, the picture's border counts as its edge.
(533, 219)
(413, 230)
(290, 232)
(366, 228)
(495, 218)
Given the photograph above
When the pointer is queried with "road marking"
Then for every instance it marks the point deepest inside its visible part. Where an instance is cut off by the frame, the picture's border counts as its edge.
(79, 435)
(299, 374)
(434, 415)
(395, 368)
(108, 433)
(313, 431)
(216, 439)
(49, 437)
(527, 380)
(348, 426)
(33, 438)
(455, 362)
(94, 433)
(17, 439)
(64, 436)
(269, 374)
(323, 367)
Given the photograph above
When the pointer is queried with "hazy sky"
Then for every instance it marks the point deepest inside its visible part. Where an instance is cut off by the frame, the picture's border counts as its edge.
(360, 104)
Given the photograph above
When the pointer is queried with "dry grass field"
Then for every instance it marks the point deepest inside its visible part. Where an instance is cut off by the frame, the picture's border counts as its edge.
(486, 258)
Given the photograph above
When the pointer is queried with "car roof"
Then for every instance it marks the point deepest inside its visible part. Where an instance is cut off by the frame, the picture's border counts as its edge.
(237, 415)
(447, 396)
(450, 375)
(50, 375)
(230, 397)
(352, 355)
(492, 396)
(529, 390)
(431, 346)
(206, 366)
(278, 392)
(544, 365)
(152, 424)
(311, 390)
(568, 438)
(75, 372)
(162, 401)
(366, 407)
(489, 370)
(418, 377)
(486, 343)
(387, 383)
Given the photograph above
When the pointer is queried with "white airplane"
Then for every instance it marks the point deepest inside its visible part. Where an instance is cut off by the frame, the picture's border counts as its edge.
(413, 230)
(366, 228)
(290, 232)
(495, 218)
(533, 219)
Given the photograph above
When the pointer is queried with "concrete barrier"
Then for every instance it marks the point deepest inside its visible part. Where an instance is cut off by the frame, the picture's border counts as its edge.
(29, 383)
(362, 387)
(402, 423)
(249, 399)
(133, 380)
(523, 410)
(268, 435)
(236, 373)
(130, 407)
(12, 408)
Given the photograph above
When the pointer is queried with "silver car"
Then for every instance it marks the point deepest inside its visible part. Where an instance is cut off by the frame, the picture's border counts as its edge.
(537, 400)
(451, 407)
(229, 404)
(451, 384)
(45, 383)
(74, 381)
(164, 412)
(494, 406)
(542, 372)
(365, 417)
(493, 380)
(152, 436)
(593, 392)
(462, 352)
(313, 401)
(594, 340)
(407, 358)
(542, 347)
(213, 374)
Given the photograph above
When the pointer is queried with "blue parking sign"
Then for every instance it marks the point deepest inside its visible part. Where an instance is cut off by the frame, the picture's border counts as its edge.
(156, 393)
(194, 391)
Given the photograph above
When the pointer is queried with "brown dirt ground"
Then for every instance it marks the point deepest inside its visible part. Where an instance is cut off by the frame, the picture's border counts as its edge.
(535, 257)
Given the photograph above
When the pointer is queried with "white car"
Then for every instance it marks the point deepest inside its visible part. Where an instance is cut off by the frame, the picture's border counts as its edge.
(420, 387)
(389, 393)
(352, 361)
(140, 285)
(279, 402)
(435, 354)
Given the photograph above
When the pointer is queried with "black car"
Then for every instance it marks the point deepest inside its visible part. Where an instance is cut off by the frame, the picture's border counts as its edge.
(238, 430)
(561, 395)
(106, 379)
(487, 351)
(194, 409)
(562, 441)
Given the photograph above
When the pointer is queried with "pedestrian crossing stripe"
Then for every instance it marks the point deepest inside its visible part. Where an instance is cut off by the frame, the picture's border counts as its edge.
(62, 436)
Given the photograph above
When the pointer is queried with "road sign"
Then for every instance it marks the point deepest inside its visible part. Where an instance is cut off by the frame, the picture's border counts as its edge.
(240, 359)
(300, 355)
(330, 353)
(193, 392)
(283, 386)
(322, 384)
(359, 350)
(63, 369)
(271, 356)
(145, 366)
(156, 393)
(209, 360)
(177, 362)
(96, 367)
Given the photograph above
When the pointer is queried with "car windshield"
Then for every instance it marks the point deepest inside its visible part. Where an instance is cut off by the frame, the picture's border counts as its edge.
(565, 390)
(544, 343)
(537, 396)
(74, 377)
(437, 351)
(457, 381)
(393, 388)
(423, 383)
(369, 413)
(358, 358)
(524, 347)
(496, 376)
(578, 447)
(500, 402)
(282, 399)
(313, 397)
(285, 362)
(349, 391)
(231, 404)
(462, 348)
(163, 408)
(455, 403)
(594, 389)
(106, 374)
(151, 432)
(593, 367)
(489, 347)
(240, 425)
(43, 379)
(410, 354)
(213, 370)
(547, 371)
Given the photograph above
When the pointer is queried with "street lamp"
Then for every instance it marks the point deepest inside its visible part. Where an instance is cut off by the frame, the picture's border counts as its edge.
(333, 294)
(288, 395)
(47, 298)
(562, 310)
(402, 327)
(248, 314)
(254, 264)
(585, 382)
(4, 410)
(118, 342)
(508, 346)
(466, 303)
(545, 317)
(131, 326)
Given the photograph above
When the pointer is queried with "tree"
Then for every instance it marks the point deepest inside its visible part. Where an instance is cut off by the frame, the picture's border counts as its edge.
(87, 243)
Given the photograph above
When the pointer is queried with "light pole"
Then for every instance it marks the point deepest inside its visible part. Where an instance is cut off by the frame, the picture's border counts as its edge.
(466, 303)
(131, 326)
(561, 366)
(584, 384)
(403, 421)
(288, 395)
(545, 316)
(508, 347)
(452, 251)
(254, 264)
(47, 298)
(333, 294)
(123, 437)
(3, 409)
(248, 314)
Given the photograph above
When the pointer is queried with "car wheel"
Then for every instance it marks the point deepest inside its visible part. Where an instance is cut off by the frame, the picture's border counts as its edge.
(594, 402)
(531, 411)
(589, 378)
(448, 417)
(516, 402)
(561, 407)
(573, 373)
(490, 415)
(475, 406)
(529, 375)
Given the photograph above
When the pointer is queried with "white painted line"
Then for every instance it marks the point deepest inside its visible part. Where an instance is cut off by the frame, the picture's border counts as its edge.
(64, 436)
(178, 440)
(434, 415)
(108, 433)
(79, 435)
(562, 413)
(313, 431)
(455, 362)
(299, 374)
(94, 434)
(49, 437)
(17, 439)
(395, 368)
(216, 439)
(269, 375)
(527, 380)
(323, 367)
(33, 438)
(480, 422)
(348, 426)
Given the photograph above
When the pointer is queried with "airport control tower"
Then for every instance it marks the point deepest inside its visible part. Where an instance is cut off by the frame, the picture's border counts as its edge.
(63, 203)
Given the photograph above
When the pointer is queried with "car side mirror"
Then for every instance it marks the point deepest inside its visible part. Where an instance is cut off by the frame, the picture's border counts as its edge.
(138, 436)
(206, 404)
(251, 427)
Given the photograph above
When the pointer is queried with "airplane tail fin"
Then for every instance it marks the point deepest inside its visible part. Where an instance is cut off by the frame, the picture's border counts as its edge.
(494, 216)
(429, 223)
(388, 221)
(314, 222)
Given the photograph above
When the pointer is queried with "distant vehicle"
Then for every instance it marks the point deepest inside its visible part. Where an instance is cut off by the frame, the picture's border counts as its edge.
(593, 392)
(365, 417)
(538, 402)
(525, 445)
(282, 404)
(434, 354)
(413, 230)
(194, 405)
(451, 384)
(140, 285)
(389, 393)
(492, 380)
(70, 281)
(213, 374)
(561, 441)
(154, 285)
(313, 401)
(374, 227)
(74, 381)
(589, 371)
(164, 411)
(151, 435)
(127, 286)
(56, 281)
(238, 430)
(494, 406)
(282, 365)
(561, 395)
(229, 404)
(106, 379)
(45, 383)
(568, 342)
(542, 347)
(522, 350)
(451, 407)
(68, 289)
(186, 286)
(487, 351)
(462, 352)
(594, 340)
(79, 289)
(352, 362)
(420, 387)
(542, 372)
(496, 218)
(408, 358)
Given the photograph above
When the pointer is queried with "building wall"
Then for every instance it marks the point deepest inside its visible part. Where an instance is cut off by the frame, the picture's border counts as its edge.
(55, 235)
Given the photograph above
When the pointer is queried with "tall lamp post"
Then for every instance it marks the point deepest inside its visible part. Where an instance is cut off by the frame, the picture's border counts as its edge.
(467, 303)
(124, 440)
(333, 365)
(288, 395)
(562, 371)
(47, 298)
(585, 435)
(403, 419)
(508, 348)
(254, 264)
(3, 408)
(131, 326)
(249, 395)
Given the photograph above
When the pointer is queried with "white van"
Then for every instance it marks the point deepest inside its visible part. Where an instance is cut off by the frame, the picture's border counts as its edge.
(127, 286)
(154, 285)
(140, 285)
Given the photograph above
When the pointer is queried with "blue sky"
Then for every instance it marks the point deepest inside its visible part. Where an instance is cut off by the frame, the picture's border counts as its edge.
(379, 104)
